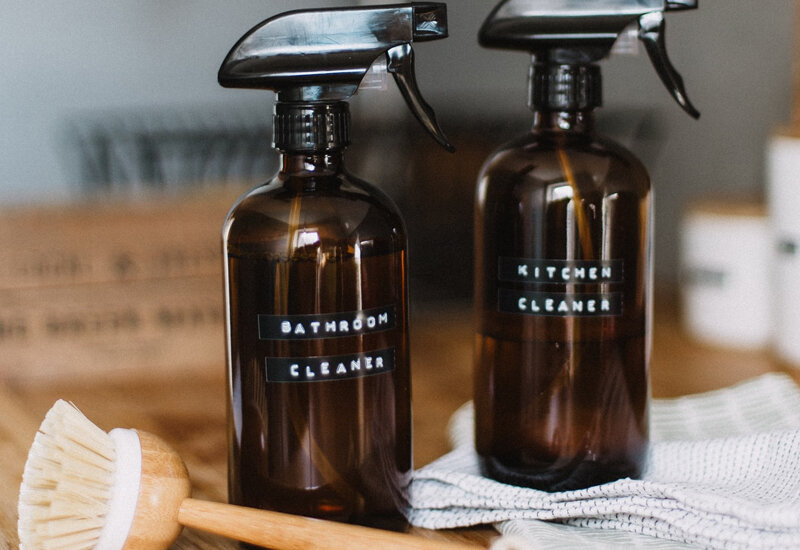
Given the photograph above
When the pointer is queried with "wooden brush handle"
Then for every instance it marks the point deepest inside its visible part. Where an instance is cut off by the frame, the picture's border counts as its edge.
(288, 532)
(165, 487)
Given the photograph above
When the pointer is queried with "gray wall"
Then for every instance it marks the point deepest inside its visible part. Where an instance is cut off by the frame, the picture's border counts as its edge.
(67, 60)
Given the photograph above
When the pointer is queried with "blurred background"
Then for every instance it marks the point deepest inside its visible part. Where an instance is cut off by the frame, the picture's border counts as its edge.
(105, 106)
(98, 95)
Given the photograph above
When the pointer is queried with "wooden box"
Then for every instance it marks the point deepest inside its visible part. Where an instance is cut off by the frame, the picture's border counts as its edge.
(103, 291)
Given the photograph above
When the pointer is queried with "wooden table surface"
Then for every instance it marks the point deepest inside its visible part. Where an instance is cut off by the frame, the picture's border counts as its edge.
(188, 411)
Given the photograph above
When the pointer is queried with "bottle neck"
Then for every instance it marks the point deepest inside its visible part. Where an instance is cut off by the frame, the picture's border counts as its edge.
(306, 164)
(311, 138)
(563, 97)
(563, 121)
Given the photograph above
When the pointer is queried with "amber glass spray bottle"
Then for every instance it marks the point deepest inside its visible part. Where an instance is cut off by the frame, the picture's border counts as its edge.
(563, 261)
(315, 270)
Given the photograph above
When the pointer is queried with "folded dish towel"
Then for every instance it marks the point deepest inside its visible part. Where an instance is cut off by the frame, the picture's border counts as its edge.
(724, 472)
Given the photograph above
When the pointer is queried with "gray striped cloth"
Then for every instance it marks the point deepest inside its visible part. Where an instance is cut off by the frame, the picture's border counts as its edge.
(724, 472)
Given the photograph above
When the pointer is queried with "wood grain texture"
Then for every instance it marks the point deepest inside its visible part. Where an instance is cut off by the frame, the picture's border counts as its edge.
(164, 485)
(17, 430)
(111, 289)
(287, 532)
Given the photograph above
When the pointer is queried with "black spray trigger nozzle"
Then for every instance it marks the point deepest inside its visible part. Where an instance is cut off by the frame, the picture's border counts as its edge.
(651, 33)
(321, 56)
(582, 32)
(400, 63)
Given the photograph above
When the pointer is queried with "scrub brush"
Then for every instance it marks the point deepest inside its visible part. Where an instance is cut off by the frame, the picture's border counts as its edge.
(84, 488)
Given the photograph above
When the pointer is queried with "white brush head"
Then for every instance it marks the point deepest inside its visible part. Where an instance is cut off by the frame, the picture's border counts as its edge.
(80, 485)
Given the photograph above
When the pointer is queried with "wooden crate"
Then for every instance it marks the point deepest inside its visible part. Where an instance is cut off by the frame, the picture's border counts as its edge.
(106, 291)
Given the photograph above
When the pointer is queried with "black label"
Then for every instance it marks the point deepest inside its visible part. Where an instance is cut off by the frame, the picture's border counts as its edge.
(327, 325)
(561, 304)
(331, 367)
(522, 270)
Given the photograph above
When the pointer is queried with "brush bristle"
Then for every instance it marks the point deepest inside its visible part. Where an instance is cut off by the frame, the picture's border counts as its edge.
(67, 483)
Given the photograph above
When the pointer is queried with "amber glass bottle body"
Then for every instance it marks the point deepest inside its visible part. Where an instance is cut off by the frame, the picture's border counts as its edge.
(562, 297)
(318, 368)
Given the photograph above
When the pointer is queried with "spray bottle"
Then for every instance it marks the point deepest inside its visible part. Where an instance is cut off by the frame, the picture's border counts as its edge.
(563, 258)
(315, 274)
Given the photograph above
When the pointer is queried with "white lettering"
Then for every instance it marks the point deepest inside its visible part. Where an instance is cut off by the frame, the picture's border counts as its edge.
(563, 304)
(580, 272)
(522, 269)
(319, 368)
(565, 273)
(358, 322)
(551, 271)
(593, 273)
(606, 272)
